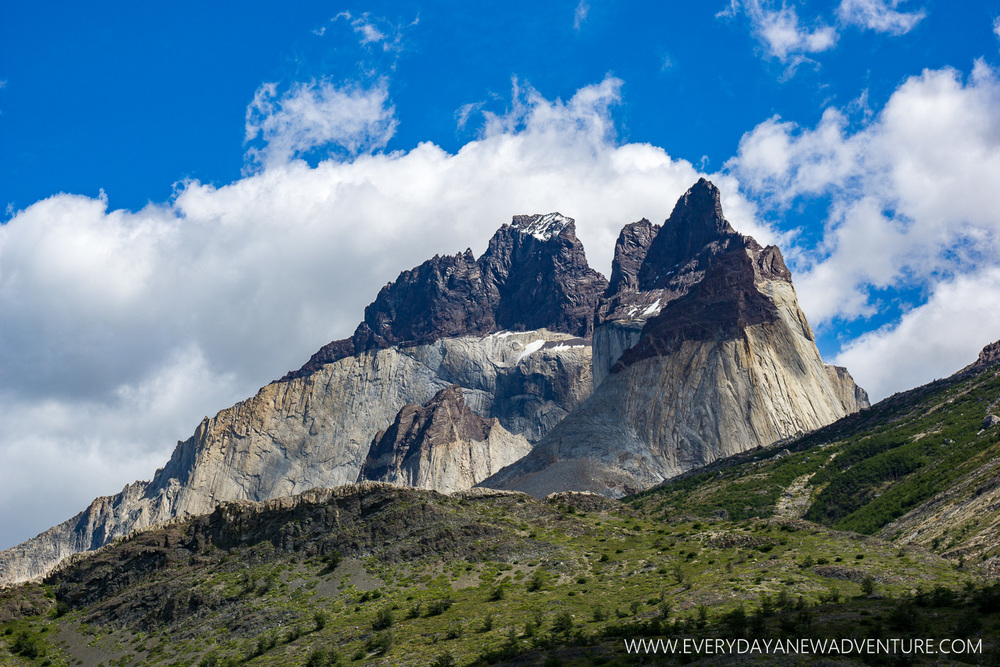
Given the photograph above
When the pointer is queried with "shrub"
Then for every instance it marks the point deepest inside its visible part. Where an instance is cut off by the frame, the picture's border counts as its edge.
(25, 645)
(438, 607)
(331, 561)
(563, 623)
(455, 630)
(322, 658)
(383, 619)
(487, 623)
(736, 622)
(319, 618)
(444, 660)
(379, 643)
(537, 581)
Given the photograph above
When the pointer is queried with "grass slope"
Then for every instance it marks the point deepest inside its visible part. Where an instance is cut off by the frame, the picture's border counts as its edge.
(862, 473)
(377, 575)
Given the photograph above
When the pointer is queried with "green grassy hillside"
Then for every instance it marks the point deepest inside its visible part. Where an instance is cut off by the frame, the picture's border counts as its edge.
(384, 576)
(864, 472)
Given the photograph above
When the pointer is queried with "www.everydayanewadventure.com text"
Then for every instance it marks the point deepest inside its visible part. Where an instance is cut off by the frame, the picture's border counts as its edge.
(807, 646)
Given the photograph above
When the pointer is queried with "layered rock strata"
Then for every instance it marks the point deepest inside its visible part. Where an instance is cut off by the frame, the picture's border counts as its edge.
(441, 445)
(509, 328)
(703, 352)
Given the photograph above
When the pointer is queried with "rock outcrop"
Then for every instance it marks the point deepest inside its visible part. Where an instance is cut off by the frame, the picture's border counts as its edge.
(989, 355)
(701, 352)
(441, 445)
(508, 328)
(533, 275)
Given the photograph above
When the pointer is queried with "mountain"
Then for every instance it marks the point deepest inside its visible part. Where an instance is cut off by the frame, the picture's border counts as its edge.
(700, 351)
(507, 328)
(441, 445)
(918, 469)
(534, 275)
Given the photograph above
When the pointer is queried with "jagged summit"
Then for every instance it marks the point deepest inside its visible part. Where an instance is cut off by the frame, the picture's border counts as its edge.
(989, 355)
(695, 228)
(541, 279)
(630, 252)
(656, 265)
(542, 227)
(700, 351)
(533, 275)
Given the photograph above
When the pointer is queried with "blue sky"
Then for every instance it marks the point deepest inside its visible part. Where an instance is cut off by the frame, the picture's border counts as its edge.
(199, 195)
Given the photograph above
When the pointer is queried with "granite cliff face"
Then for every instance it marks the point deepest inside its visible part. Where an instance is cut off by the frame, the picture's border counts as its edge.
(450, 321)
(441, 445)
(700, 351)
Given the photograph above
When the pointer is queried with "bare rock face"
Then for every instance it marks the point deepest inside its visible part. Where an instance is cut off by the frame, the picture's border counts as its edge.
(630, 252)
(988, 356)
(316, 431)
(709, 355)
(441, 445)
(538, 273)
(533, 275)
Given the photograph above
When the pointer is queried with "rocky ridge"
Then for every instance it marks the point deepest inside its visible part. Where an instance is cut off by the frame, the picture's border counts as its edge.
(507, 328)
(441, 445)
(700, 351)
(533, 275)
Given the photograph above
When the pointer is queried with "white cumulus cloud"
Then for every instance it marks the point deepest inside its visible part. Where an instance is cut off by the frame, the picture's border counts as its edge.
(912, 203)
(932, 341)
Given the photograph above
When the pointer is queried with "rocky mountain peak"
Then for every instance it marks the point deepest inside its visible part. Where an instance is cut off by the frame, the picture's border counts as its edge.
(533, 275)
(541, 227)
(630, 252)
(989, 354)
(700, 350)
(537, 274)
(695, 228)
